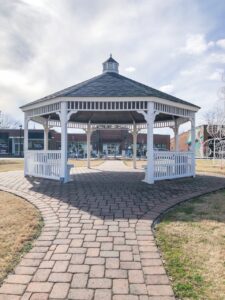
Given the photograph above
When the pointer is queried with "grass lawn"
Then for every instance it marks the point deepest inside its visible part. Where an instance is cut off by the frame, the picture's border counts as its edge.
(83, 163)
(11, 165)
(139, 163)
(206, 165)
(192, 241)
(18, 164)
(202, 165)
(20, 224)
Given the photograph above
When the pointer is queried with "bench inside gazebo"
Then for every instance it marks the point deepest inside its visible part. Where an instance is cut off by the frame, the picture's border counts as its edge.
(110, 100)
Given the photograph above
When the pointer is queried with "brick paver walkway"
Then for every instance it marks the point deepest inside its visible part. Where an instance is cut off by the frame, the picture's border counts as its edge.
(97, 241)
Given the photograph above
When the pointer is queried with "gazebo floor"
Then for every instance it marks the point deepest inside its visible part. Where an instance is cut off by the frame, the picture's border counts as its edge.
(97, 240)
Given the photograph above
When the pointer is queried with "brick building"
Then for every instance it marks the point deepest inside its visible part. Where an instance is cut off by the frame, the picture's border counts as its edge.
(103, 142)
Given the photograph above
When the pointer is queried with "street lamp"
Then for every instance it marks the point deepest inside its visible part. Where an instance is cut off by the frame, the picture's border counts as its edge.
(20, 139)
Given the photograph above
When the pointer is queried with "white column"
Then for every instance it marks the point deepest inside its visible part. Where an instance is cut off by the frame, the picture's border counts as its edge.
(25, 143)
(176, 136)
(134, 146)
(88, 145)
(149, 176)
(63, 119)
(46, 131)
(193, 144)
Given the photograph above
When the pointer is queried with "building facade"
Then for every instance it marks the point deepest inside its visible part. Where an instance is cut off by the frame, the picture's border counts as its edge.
(103, 143)
(11, 141)
(201, 136)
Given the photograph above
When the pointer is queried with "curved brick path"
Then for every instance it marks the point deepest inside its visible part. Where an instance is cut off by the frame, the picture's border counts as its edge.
(97, 242)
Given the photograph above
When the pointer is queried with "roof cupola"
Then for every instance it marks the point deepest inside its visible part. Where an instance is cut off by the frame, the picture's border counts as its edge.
(110, 65)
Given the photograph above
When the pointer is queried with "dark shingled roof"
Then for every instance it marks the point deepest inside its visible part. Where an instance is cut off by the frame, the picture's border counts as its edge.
(111, 84)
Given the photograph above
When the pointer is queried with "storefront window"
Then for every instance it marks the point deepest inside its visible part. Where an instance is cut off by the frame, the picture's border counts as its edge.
(77, 149)
(4, 143)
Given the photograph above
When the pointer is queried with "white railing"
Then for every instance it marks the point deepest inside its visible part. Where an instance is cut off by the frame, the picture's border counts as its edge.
(45, 164)
(169, 165)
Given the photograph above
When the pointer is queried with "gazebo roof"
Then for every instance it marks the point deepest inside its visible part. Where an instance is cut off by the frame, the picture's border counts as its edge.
(111, 84)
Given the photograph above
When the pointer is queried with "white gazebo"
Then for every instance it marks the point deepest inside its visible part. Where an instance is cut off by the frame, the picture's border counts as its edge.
(113, 101)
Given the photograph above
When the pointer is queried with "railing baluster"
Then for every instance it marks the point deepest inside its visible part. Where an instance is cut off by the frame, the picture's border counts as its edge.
(172, 164)
(44, 164)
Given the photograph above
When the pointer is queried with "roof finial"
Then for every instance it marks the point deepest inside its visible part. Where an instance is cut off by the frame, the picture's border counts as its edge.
(110, 55)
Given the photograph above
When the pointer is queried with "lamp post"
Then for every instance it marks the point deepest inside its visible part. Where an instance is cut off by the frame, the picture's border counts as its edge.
(20, 139)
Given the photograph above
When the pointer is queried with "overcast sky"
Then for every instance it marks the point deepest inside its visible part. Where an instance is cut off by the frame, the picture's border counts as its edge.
(176, 46)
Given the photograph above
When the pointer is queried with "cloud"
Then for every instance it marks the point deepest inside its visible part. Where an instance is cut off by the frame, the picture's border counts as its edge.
(168, 88)
(217, 75)
(221, 43)
(196, 44)
(130, 69)
(49, 45)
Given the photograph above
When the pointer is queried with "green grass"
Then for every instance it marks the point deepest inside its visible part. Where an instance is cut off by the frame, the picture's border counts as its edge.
(187, 282)
(192, 241)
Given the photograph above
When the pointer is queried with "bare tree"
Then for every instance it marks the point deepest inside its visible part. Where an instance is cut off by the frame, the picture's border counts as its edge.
(215, 145)
(6, 122)
(215, 120)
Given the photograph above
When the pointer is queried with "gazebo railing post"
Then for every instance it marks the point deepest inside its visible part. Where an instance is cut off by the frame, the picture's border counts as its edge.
(88, 145)
(46, 131)
(176, 136)
(193, 144)
(63, 120)
(149, 176)
(150, 119)
(134, 145)
(25, 143)
(175, 128)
